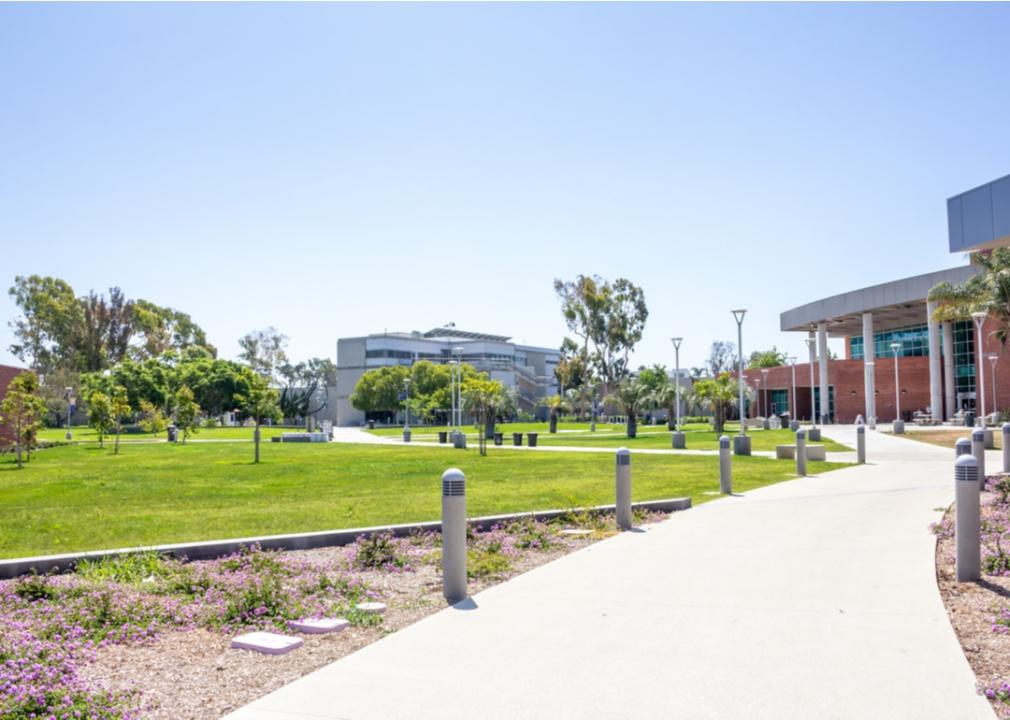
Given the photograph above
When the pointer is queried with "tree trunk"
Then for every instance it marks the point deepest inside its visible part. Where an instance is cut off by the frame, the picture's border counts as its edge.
(489, 426)
(632, 425)
(717, 419)
(116, 451)
(256, 439)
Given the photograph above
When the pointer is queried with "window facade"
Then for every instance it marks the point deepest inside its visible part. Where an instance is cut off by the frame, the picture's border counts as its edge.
(779, 401)
(914, 343)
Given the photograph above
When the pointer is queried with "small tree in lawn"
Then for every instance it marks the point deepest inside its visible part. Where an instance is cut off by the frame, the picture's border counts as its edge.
(259, 403)
(23, 409)
(720, 395)
(481, 398)
(152, 420)
(555, 404)
(100, 414)
(119, 405)
(187, 412)
(631, 396)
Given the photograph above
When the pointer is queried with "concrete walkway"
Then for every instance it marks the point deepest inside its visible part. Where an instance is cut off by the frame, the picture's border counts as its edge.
(814, 598)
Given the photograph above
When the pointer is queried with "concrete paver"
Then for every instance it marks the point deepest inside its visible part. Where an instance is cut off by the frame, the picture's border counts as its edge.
(814, 598)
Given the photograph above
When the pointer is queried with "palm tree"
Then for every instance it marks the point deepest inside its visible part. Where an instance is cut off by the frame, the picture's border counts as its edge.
(666, 397)
(554, 405)
(631, 396)
(719, 394)
(989, 292)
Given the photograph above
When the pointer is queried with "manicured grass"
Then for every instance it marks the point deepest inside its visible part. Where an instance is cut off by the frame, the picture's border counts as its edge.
(76, 498)
(698, 437)
(88, 434)
(947, 438)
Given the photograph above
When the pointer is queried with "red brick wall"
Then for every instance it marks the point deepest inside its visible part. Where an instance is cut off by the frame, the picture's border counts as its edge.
(7, 373)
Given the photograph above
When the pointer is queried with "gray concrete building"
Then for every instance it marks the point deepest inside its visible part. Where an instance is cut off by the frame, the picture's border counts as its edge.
(527, 368)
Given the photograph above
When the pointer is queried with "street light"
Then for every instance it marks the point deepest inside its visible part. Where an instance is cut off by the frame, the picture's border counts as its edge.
(764, 377)
(69, 397)
(592, 407)
(896, 346)
(676, 351)
(979, 318)
(406, 406)
(813, 412)
(738, 316)
(792, 361)
(458, 399)
(992, 363)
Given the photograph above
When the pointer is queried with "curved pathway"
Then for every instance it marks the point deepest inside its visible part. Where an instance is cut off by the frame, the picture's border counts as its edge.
(814, 598)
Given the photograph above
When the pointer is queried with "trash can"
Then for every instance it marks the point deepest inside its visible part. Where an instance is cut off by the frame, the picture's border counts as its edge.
(517, 439)
(969, 419)
(498, 437)
(532, 437)
(443, 437)
(173, 433)
(371, 424)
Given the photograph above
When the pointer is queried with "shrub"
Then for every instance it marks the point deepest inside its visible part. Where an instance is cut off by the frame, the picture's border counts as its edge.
(379, 552)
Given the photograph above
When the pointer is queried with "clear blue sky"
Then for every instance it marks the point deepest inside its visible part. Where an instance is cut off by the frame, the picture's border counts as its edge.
(336, 170)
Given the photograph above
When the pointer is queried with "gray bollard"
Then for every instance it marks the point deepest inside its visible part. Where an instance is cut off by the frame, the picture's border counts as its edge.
(861, 445)
(962, 447)
(406, 436)
(967, 519)
(801, 453)
(741, 444)
(794, 425)
(898, 426)
(459, 441)
(1006, 447)
(679, 440)
(814, 434)
(725, 467)
(990, 442)
(623, 488)
(978, 450)
(454, 535)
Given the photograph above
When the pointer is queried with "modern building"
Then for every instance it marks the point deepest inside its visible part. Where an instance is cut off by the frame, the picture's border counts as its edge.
(913, 361)
(7, 373)
(527, 368)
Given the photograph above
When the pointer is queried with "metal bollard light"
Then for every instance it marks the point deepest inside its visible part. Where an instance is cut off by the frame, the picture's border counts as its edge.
(967, 520)
(1006, 447)
(623, 509)
(861, 445)
(962, 447)
(978, 450)
(801, 453)
(454, 535)
(679, 440)
(725, 467)
(406, 435)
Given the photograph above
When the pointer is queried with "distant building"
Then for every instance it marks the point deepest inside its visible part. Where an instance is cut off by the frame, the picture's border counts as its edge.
(527, 368)
(7, 373)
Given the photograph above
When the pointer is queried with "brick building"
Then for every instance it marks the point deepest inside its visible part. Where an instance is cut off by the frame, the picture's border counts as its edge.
(939, 367)
(7, 373)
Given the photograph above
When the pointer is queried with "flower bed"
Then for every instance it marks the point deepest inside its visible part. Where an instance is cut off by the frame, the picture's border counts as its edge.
(143, 636)
(980, 612)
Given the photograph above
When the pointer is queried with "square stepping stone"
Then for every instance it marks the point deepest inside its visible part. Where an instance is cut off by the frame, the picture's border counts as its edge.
(266, 642)
(372, 607)
(318, 625)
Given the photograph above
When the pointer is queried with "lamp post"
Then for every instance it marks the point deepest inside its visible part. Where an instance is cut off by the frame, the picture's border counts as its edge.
(792, 361)
(592, 408)
(676, 378)
(69, 397)
(813, 412)
(452, 394)
(764, 377)
(870, 368)
(458, 420)
(896, 346)
(992, 365)
(406, 407)
(979, 318)
(738, 316)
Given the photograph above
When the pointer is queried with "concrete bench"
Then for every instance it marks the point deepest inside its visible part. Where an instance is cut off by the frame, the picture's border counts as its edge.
(788, 452)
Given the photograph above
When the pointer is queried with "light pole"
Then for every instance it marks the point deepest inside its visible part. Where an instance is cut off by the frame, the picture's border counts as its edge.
(813, 412)
(592, 408)
(870, 368)
(676, 378)
(979, 318)
(69, 397)
(896, 346)
(452, 394)
(792, 361)
(738, 316)
(764, 378)
(992, 364)
(406, 407)
(458, 420)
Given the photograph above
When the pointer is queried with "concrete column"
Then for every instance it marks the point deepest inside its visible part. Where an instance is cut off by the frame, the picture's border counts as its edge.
(967, 519)
(950, 406)
(869, 355)
(822, 351)
(801, 453)
(935, 385)
(623, 489)
(725, 467)
(454, 535)
(861, 444)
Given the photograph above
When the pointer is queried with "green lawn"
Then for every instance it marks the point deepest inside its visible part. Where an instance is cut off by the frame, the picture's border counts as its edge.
(80, 497)
(88, 435)
(698, 437)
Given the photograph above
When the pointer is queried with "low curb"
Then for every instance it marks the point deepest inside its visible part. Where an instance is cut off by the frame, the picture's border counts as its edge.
(208, 550)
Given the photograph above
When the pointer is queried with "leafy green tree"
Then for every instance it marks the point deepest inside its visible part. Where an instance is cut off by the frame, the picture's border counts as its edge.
(988, 292)
(187, 412)
(573, 369)
(100, 414)
(259, 402)
(632, 397)
(119, 405)
(718, 394)
(555, 404)
(481, 397)
(152, 420)
(106, 330)
(722, 358)
(23, 409)
(378, 391)
(161, 329)
(767, 358)
(214, 383)
(608, 318)
(263, 351)
(51, 321)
